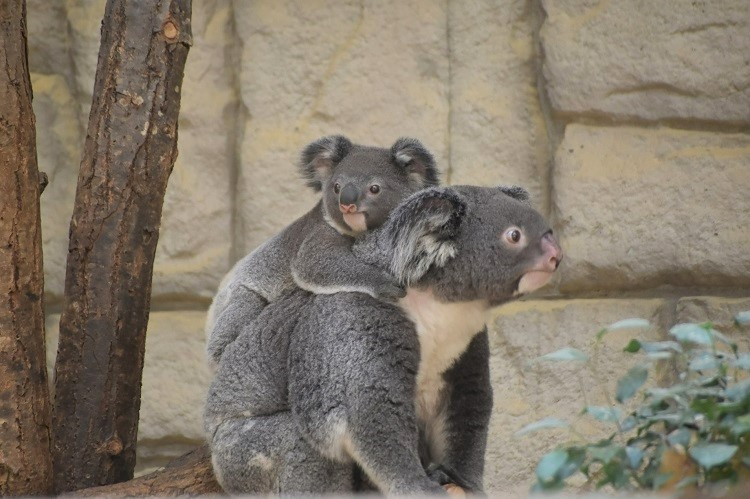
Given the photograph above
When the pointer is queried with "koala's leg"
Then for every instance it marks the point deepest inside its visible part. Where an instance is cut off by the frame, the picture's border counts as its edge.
(267, 454)
(469, 410)
(245, 305)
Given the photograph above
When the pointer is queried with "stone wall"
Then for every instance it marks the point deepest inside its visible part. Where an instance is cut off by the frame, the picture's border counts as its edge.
(627, 120)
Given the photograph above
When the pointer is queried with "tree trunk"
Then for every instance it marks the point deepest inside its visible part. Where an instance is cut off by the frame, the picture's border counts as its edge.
(190, 474)
(25, 464)
(130, 149)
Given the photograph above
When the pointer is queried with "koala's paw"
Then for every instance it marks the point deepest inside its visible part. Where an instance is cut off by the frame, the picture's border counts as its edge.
(390, 291)
(451, 482)
(454, 490)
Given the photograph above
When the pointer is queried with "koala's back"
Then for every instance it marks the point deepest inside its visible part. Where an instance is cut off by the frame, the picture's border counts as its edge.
(347, 348)
(252, 377)
(267, 269)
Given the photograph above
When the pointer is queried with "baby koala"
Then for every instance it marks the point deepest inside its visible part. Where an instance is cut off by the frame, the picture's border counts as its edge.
(360, 186)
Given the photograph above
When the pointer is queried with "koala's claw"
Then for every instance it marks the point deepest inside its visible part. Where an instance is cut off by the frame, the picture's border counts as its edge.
(454, 490)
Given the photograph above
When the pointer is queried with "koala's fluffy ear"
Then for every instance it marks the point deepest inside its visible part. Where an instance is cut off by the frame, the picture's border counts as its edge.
(417, 161)
(515, 192)
(422, 232)
(320, 157)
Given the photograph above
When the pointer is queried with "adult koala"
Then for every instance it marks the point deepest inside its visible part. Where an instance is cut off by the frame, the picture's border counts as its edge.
(321, 382)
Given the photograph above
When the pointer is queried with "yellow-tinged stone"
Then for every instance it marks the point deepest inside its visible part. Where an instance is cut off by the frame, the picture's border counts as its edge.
(527, 390)
(640, 208)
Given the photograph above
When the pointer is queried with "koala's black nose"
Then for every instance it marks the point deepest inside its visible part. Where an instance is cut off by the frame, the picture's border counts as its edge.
(349, 195)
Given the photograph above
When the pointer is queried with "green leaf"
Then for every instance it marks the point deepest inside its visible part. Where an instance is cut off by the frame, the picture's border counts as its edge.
(680, 436)
(543, 424)
(550, 464)
(660, 479)
(710, 455)
(567, 353)
(635, 456)
(661, 346)
(741, 425)
(631, 382)
(742, 362)
(606, 414)
(634, 323)
(739, 391)
(628, 423)
(604, 453)
(659, 355)
(692, 333)
(632, 346)
(688, 480)
(704, 361)
(742, 318)
(576, 457)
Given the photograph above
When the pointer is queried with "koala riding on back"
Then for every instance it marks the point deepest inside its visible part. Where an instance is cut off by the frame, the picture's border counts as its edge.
(360, 186)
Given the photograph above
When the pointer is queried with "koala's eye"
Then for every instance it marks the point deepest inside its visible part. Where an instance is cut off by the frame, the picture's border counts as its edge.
(336, 187)
(375, 188)
(513, 235)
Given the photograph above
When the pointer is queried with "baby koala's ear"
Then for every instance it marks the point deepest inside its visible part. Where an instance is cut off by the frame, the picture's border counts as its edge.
(416, 161)
(422, 232)
(319, 159)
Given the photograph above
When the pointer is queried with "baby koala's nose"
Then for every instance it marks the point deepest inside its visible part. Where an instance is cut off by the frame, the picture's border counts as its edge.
(348, 197)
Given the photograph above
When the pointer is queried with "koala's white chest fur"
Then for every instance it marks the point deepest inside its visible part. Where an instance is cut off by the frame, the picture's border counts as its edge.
(445, 331)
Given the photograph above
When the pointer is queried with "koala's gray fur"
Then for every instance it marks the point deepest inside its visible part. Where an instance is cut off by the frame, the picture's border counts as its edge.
(320, 383)
(314, 252)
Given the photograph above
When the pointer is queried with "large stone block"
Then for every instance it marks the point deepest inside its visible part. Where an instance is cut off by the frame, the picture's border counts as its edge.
(59, 136)
(497, 130)
(641, 208)
(175, 383)
(195, 239)
(196, 231)
(526, 390)
(84, 21)
(649, 60)
(309, 69)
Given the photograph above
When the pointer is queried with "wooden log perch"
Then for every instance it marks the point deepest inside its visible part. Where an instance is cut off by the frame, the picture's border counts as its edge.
(129, 153)
(190, 474)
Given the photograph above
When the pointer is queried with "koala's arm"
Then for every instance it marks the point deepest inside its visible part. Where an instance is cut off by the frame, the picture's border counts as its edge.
(325, 264)
(469, 410)
(240, 307)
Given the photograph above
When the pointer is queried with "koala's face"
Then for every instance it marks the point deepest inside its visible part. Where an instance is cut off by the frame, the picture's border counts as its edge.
(503, 248)
(361, 184)
(364, 188)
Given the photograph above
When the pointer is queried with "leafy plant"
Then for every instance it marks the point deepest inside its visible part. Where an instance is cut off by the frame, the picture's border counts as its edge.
(694, 432)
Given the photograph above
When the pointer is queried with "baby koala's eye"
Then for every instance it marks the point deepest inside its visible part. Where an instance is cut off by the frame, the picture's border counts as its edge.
(513, 235)
(375, 188)
(336, 187)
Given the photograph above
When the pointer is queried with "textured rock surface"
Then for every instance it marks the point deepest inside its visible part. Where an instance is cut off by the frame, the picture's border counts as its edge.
(195, 242)
(526, 391)
(497, 130)
(293, 93)
(640, 208)
(649, 60)
(175, 382)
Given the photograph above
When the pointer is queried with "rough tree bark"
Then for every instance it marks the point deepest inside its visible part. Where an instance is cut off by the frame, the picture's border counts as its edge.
(130, 149)
(25, 464)
(190, 474)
